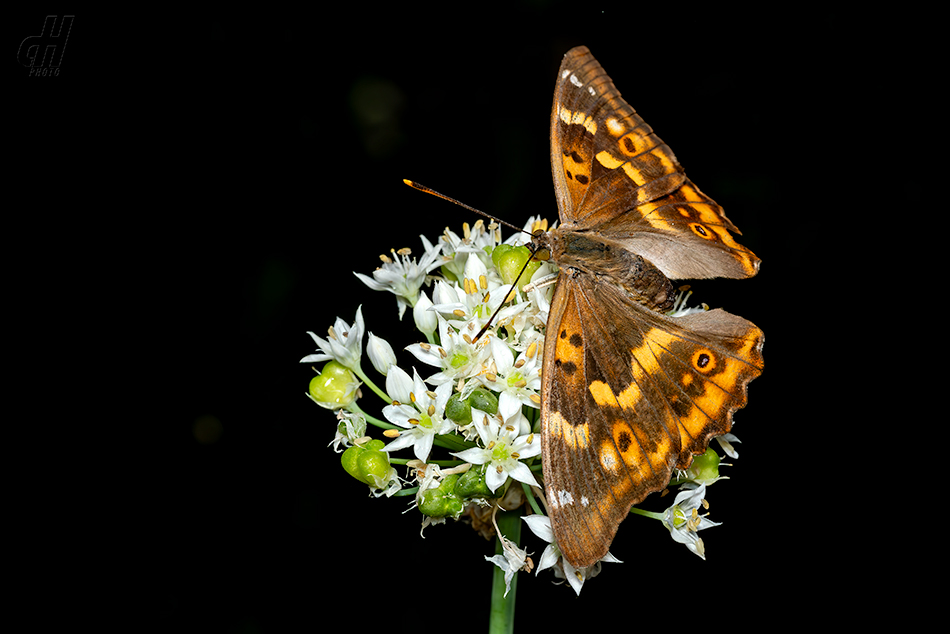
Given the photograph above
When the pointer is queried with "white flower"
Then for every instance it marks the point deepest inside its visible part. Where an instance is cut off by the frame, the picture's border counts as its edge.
(540, 525)
(541, 295)
(473, 241)
(422, 416)
(404, 276)
(350, 428)
(511, 561)
(506, 440)
(518, 377)
(725, 441)
(447, 298)
(684, 521)
(380, 353)
(344, 345)
(577, 576)
(679, 304)
(466, 304)
(533, 223)
(457, 355)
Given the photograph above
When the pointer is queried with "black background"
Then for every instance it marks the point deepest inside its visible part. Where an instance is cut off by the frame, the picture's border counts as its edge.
(204, 185)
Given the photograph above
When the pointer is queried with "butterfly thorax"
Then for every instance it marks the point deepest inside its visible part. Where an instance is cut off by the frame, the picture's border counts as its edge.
(588, 253)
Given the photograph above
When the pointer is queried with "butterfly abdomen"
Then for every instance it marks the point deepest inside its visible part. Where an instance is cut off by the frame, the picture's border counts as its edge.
(587, 253)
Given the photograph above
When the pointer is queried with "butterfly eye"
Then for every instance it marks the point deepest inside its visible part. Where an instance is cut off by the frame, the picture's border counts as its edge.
(542, 255)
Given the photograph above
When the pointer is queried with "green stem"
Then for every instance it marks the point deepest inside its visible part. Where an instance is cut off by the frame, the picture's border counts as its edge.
(441, 463)
(455, 443)
(356, 409)
(533, 502)
(656, 516)
(446, 441)
(359, 372)
(502, 615)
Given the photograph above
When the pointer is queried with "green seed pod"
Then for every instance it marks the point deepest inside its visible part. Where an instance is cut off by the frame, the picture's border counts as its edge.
(458, 411)
(441, 502)
(373, 463)
(484, 400)
(349, 459)
(471, 484)
(705, 468)
(335, 387)
(367, 464)
(510, 260)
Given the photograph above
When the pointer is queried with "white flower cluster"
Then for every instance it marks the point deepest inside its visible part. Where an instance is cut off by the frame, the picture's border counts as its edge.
(505, 359)
(468, 295)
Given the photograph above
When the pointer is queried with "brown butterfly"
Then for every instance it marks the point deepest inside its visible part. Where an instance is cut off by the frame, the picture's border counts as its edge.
(628, 392)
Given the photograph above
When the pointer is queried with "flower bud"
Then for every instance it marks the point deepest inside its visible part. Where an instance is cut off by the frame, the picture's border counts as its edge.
(380, 354)
(335, 387)
(426, 320)
(399, 384)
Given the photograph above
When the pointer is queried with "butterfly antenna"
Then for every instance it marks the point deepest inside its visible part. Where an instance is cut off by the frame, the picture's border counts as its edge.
(429, 190)
(514, 286)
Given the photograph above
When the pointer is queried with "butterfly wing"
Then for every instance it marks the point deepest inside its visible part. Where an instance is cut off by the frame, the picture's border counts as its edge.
(628, 393)
(627, 402)
(614, 175)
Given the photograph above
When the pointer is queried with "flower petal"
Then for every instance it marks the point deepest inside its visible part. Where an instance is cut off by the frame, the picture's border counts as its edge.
(521, 473)
(475, 455)
(494, 478)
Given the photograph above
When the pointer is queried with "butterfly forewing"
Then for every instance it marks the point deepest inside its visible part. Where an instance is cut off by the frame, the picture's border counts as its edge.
(595, 134)
(607, 162)
(628, 393)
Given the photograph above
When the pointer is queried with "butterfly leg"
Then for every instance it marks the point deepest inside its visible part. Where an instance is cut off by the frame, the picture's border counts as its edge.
(547, 280)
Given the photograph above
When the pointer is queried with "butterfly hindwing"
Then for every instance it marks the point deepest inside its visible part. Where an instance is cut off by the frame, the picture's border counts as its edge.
(626, 403)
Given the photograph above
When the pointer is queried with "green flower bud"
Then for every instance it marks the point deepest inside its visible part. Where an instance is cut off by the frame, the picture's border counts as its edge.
(448, 483)
(335, 387)
(509, 260)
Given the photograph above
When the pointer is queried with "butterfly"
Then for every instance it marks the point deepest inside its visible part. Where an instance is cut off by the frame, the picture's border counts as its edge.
(629, 393)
